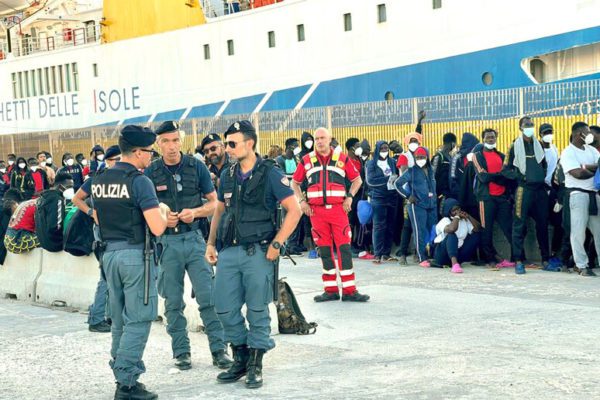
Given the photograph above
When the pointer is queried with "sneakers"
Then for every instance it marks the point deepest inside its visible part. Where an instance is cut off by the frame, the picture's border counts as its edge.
(505, 264)
(357, 297)
(325, 296)
(425, 264)
(365, 255)
(137, 392)
(456, 269)
(313, 254)
(377, 260)
(551, 266)
(520, 269)
(183, 361)
(402, 260)
(585, 271)
(102, 327)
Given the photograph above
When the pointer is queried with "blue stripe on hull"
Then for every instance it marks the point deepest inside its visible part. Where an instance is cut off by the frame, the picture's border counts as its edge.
(245, 105)
(207, 110)
(285, 99)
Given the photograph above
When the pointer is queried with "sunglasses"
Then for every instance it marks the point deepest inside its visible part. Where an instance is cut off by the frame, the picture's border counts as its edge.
(177, 178)
(232, 144)
(211, 150)
(117, 159)
(146, 150)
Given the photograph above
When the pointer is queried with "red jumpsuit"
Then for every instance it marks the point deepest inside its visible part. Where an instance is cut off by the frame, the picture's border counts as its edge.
(325, 194)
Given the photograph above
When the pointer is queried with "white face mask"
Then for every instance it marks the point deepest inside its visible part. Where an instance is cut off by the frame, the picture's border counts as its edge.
(384, 154)
(49, 160)
(84, 162)
(337, 149)
(22, 165)
(589, 138)
(3, 170)
(528, 131)
(470, 157)
(421, 163)
(100, 157)
(34, 168)
(309, 144)
(413, 146)
(358, 152)
(364, 158)
(547, 138)
(43, 164)
(11, 162)
(70, 162)
(69, 193)
(488, 146)
(297, 151)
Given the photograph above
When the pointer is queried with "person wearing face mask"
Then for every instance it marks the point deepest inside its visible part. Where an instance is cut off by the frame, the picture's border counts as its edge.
(216, 157)
(526, 165)
(4, 179)
(20, 235)
(493, 195)
(307, 142)
(441, 167)
(364, 235)
(417, 186)
(10, 201)
(97, 160)
(11, 163)
(354, 151)
(38, 176)
(579, 162)
(50, 162)
(381, 174)
(71, 167)
(459, 163)
(50, 173)
(18, 178)
(83, 163)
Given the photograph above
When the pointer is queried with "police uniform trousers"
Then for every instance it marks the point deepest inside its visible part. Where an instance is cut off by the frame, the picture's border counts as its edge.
(131, 319)
(245, 276)
(330, 227)
(185, 253)
(530, 201)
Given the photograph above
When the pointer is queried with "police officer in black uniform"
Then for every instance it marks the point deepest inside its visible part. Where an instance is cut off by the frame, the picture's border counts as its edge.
(181, 182)
(244, 229)
(127, 207)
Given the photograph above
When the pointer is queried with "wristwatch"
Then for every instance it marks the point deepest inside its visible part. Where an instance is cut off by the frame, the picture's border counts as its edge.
(350, 195)
(276, 245)
(90, 212)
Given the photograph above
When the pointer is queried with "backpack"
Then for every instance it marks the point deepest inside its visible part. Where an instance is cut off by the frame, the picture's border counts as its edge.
(49, 217)
(79, 237)
(289, 316)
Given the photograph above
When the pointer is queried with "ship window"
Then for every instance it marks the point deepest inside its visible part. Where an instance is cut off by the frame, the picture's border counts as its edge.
(75, 77)
(437, 4)
(26, 82)
(389, 96)
(68, 76)
(40, 82)
(33, 83)
(230, 49)
(47, 80)
(271, 36)
(207, 52)
(487, 78)
(537, 68)
(53, 80)
(381, 13)
(14, 84)
(61, 81)
(300, 29)
(20, 75)
(347, 22)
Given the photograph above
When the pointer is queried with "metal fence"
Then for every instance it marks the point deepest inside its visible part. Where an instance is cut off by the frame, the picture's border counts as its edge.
(560, 104)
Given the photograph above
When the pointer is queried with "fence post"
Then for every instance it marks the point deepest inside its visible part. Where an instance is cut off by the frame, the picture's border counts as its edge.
(521, 102)
(195, 132)
(255, 121)
(12, 144)
(329, 112)
(415, 112)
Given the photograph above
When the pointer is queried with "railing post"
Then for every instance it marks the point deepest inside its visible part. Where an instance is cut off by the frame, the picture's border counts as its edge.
(255, 121)
(195, 132)
(415, 111)
(521, 102)
(329, 112)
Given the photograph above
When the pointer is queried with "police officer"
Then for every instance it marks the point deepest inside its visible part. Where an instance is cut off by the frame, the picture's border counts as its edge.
(244, 228)
(180, 182)
(126, 205)
(215, 156)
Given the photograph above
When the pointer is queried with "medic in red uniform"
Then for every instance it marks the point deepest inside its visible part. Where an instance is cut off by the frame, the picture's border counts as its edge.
(327, 204)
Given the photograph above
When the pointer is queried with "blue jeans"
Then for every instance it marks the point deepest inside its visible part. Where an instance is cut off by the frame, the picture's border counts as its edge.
(383, 228)
(448, 248)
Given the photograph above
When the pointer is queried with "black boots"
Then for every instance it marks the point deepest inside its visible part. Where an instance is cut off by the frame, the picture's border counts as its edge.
(358, 297)
(254, 376)
(221, 359)
(137, 392)
(325, 296)
(183, 361)
(239, 367)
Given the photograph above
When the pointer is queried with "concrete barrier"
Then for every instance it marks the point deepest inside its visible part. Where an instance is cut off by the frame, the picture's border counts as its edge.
(19, 274)
(67, 279)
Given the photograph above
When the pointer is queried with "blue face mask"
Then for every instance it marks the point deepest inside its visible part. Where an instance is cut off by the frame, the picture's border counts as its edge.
(290, 166)
(529, 132)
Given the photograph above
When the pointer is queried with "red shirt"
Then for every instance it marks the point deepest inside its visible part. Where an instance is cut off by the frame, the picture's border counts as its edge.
(24, 216)
(351, 171)
(357, 164)
(39, 181)
(494, 165)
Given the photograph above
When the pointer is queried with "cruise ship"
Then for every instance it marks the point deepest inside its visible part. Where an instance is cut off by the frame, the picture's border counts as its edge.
(71, 64)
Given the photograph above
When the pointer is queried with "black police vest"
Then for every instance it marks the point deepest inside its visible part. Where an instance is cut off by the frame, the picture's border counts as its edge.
(119, 218)
(245, 207)
(166, 185)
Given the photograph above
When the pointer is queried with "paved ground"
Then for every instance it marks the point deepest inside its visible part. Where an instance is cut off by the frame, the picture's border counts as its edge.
(426, 334)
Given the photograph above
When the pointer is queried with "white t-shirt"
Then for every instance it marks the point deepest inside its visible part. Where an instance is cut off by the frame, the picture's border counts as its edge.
(465, 227)
(552, 160)
(573, 158)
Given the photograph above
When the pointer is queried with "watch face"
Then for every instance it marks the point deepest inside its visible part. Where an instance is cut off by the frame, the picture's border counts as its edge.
(276, 245)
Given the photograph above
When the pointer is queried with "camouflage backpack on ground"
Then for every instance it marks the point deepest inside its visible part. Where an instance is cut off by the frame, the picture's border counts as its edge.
(291, 320)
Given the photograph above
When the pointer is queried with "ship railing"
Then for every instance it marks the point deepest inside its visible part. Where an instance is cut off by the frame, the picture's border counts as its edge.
(26, 45)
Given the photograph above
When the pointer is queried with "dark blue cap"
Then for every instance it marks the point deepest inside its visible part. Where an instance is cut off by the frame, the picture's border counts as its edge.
(545, 128)
(138, 136)
(113, 151)
(98, 148)
(213, 137)
(241, 126)
(167, 127)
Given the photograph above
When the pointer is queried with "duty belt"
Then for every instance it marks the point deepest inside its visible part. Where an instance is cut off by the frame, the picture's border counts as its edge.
(124, 245)
(183, 228)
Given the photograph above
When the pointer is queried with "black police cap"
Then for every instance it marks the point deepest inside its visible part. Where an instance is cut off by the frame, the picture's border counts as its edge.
(167, 127)
(244, 127)
(113, 151)
(213, 137)
(138, 136)
(545, 127)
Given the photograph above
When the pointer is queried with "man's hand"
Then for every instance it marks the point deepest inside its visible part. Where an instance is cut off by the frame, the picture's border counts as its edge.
(272, 253)
(186, 216)
(306, 209)
(213, 176)
(211, 254)
(95, 216)
(172, 219)
(348, 204)
(422, 115)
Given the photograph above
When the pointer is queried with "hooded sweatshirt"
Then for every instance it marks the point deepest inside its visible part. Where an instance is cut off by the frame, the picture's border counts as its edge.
(459, 162)
(305, 150)
(420, 185)
(378, 180)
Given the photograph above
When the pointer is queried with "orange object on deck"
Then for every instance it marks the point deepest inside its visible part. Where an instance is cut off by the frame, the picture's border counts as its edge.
(262, 3)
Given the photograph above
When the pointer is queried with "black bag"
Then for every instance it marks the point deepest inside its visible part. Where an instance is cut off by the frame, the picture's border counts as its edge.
(289, 316)
(79, 238)
(49, 217)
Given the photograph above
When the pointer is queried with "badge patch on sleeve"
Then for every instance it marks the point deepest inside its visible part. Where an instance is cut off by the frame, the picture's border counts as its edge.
(285, 181)
(161, 188)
